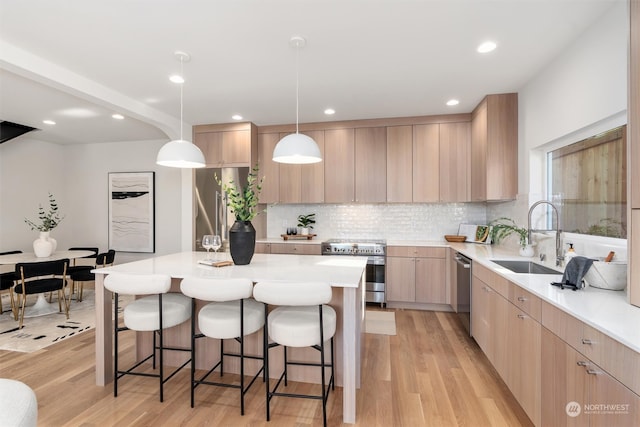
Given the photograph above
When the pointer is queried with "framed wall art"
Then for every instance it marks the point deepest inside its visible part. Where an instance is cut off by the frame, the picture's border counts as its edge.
(132, 211)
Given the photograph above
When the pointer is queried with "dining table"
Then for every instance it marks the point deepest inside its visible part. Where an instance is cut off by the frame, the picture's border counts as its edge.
(345, 274)
(41, 307)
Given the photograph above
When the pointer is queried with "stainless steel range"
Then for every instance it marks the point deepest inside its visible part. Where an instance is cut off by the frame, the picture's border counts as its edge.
(375, 251)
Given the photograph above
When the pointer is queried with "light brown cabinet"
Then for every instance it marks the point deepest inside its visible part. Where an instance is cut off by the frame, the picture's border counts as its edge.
(339, 160)
(416, 275)
(576, 391)
(263, 248)
(400, 164)
(303, 183)
(295, 249)
(494, 148)
(455, 162)
(371, 164)
(426, 163)
(268, 168)
(227, 145)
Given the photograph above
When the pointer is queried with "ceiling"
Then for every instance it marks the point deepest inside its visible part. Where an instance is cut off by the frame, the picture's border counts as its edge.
(77, 62)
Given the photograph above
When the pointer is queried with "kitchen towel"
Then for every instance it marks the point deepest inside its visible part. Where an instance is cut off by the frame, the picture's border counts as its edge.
(575, 270)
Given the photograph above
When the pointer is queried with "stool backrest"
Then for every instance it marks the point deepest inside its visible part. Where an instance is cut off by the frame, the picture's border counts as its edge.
(216, 289)
(138, 284)
(293, 293)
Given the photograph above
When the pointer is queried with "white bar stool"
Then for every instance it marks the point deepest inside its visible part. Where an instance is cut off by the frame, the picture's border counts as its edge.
(231, 315)
(157, 311)
(301, 320)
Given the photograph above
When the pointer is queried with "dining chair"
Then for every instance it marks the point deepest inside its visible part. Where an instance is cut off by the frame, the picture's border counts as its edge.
(231, 313)
(84, 274)
(154, 310)
(7, 279)
(84, 263)
(301, 318)
(37, 278)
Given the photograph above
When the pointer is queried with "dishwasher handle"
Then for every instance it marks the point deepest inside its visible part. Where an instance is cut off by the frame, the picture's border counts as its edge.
(463, 261)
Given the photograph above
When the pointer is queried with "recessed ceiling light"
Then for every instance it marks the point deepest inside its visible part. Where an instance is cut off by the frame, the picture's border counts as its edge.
(452, 102)
(176, 79)
(329, 111)
(48, 122)
(486, 47)
(117, 116)
(236, 117)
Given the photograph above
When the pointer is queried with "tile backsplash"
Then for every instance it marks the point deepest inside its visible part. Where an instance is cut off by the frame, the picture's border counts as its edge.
(415, 221)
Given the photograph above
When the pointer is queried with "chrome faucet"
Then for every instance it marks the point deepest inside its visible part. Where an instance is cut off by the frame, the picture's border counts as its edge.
(559, 256)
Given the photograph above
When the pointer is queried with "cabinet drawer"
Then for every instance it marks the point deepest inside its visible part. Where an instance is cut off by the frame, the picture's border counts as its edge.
(416, 251)
(263, 248)
(565, 326)
(617, 359)
(497, 282)
(525, 301)
(295, 249)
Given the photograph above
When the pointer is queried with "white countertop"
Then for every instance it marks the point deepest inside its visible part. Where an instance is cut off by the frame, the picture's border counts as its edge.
(605, 310)
(344, 272)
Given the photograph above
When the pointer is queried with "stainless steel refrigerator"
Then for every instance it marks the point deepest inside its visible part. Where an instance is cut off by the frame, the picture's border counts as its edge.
(212, 215)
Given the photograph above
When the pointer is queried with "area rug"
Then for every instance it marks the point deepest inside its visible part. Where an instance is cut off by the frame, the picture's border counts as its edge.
(40, 332)
(380, 322)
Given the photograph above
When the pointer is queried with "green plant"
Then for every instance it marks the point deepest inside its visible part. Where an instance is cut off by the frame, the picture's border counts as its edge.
(503, 227)
(48, 220)
(307, 221)
(243, 201)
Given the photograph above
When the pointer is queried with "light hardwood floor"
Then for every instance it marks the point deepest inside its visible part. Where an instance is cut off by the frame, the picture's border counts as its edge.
(430, 373)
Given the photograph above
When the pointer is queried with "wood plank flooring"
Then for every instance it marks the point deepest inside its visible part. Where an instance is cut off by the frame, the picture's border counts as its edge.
(430, 374)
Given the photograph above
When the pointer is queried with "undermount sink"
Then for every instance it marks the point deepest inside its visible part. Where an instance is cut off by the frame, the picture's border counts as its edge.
(526, 267)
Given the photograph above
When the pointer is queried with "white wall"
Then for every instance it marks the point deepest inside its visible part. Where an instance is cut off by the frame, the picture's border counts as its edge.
(78, 176)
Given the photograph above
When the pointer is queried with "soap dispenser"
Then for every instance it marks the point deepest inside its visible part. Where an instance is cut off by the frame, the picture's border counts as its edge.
(570, 253)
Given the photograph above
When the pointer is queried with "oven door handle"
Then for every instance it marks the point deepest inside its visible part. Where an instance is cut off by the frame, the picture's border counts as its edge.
(462, 262)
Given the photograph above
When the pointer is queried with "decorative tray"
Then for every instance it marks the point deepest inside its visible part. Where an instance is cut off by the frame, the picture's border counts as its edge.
(454, 238)
(298, 236)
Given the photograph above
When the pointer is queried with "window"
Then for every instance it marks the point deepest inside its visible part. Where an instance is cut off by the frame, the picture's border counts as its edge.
(588, 179)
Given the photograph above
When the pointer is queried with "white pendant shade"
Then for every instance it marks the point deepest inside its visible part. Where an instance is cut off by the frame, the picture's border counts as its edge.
(297, 148)
(180, 154)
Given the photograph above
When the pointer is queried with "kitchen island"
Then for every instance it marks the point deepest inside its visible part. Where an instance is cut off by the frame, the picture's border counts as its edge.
(345, 274)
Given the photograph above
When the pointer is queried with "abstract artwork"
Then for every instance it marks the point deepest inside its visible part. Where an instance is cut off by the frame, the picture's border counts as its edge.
(132, 212)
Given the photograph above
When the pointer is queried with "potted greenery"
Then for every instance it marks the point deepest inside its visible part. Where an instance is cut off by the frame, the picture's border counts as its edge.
(306, 223)
(503, 227)
(45, 245)
(243, 203)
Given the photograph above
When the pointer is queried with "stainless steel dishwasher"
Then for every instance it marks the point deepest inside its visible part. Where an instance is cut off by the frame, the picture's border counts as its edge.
(463, 283)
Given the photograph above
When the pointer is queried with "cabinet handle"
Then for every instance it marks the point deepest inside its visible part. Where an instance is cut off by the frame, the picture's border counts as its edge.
(582, 363)
(586, 341)
(592, 372)
(522, 299)
(521, 316)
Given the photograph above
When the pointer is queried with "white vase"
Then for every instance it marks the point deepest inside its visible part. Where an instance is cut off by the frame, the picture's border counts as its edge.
(527, 251)
(304, 231)
(43, 247)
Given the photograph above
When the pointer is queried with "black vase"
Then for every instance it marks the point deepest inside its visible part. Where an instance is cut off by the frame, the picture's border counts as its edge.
(242, 242)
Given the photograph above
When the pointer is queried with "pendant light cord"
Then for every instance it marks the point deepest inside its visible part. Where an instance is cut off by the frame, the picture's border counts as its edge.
(181, 85)
(297, 83)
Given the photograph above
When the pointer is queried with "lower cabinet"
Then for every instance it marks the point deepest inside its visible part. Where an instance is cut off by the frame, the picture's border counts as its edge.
(577, 392)
(295, 249)
(416, 275)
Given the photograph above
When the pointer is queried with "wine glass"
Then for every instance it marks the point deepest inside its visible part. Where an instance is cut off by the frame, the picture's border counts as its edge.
(216, 243)
(207, 243)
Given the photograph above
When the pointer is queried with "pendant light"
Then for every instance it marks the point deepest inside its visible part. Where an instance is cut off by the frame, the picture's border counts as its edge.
(297, 148)
(180, 153)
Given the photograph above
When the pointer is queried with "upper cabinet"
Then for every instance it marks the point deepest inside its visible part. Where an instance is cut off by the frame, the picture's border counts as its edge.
(400, 164)
(455, 162)
(339, 161)
(494, 148)
(227, 145)
(371, 164)
(303, 183)
(268, 168)
(426, 163)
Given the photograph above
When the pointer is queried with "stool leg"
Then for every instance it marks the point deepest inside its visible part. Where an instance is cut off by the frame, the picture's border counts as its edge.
(241, 357)
(161, 350)
(286, 376)
(333, 378)
(115, 346)
(324, 400)
(193, 349)
(265, 352)
(221, 357)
